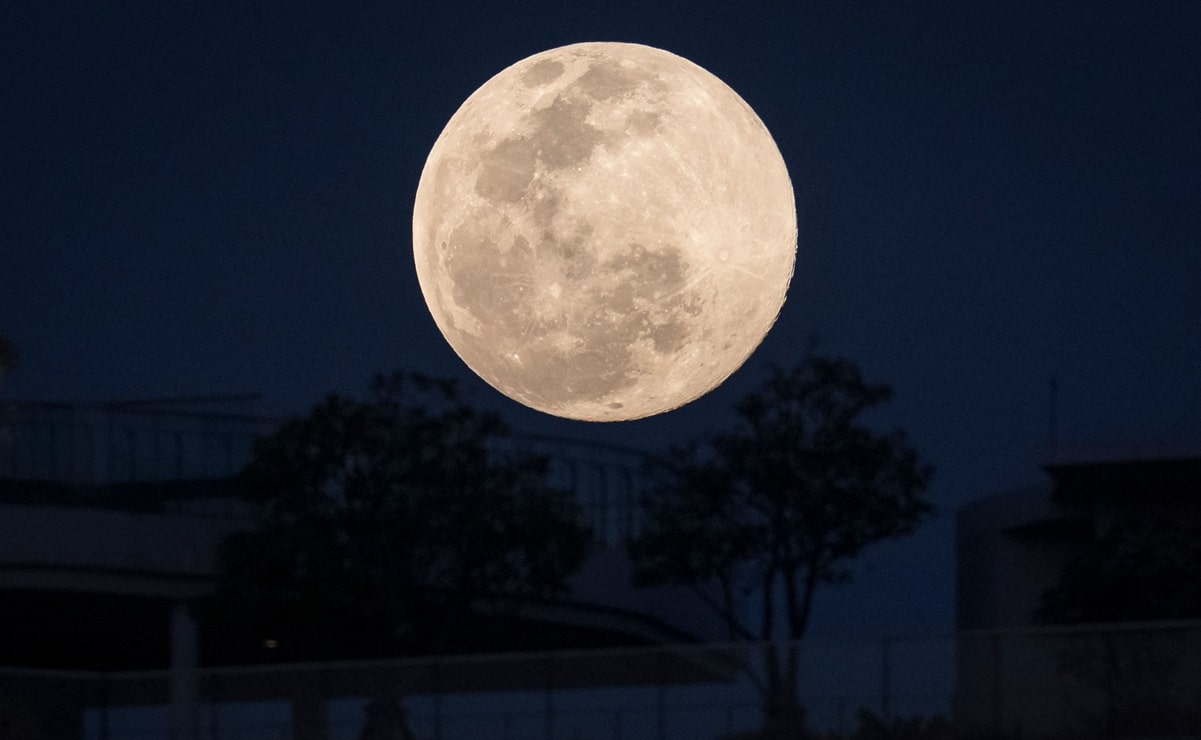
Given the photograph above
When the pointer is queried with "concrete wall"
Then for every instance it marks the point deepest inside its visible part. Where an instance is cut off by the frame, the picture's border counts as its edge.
(95, 550)
(1010, 548)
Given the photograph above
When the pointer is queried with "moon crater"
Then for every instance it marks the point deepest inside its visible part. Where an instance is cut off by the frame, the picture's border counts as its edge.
(604, 231)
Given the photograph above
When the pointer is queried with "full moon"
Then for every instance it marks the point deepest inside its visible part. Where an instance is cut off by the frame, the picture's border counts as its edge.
(604, 231)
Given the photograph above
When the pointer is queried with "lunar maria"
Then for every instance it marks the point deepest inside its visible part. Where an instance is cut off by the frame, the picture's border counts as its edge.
(604, 231)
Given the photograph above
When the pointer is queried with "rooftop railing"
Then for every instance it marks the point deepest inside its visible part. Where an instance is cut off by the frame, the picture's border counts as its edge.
(157, 457)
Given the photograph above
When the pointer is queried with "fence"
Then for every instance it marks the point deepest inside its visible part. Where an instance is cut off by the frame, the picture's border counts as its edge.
(1115, 681)
(664, 693)
(1107, 681)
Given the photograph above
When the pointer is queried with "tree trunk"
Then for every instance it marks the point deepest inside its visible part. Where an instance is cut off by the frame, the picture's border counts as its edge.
(386, 720)
(783, 715)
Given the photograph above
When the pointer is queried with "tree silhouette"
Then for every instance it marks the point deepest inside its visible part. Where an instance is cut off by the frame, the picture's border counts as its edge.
(385, 525)
(778, 506)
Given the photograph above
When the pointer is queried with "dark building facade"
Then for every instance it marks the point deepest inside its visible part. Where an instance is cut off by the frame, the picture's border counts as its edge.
(1017, 677)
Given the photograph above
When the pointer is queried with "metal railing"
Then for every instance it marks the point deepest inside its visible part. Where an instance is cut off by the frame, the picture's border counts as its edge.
(99, 445)
(142, 457)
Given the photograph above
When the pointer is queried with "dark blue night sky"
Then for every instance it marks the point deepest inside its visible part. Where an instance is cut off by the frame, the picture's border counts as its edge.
(201, 199)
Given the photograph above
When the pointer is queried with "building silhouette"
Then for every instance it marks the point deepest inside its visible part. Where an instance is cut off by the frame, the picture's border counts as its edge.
(1015, 676)
(110, 516)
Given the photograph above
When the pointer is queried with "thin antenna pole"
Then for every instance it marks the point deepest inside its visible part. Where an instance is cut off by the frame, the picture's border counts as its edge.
(1053, 415)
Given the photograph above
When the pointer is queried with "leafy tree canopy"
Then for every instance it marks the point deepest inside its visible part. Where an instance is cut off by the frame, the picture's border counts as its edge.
(386, 522)
(786, 499)
(778, 505)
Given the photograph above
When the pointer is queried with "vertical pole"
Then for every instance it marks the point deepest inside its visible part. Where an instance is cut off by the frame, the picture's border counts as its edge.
(549, 707)
(178, 466)
(602, 506)
(1111, 660)
(104, 688)
(437, 668)
(184, 673)
(886, 678)
(1053, 416)
(997, 678)
(52, 463)
(99, 437)
(309, 720)
(661, 694)
(132, 438)
(215, 703)
(156, 452)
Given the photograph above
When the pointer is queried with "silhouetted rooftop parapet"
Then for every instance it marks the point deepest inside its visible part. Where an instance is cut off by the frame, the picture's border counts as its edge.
(1119, 451)
(1138, 471)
